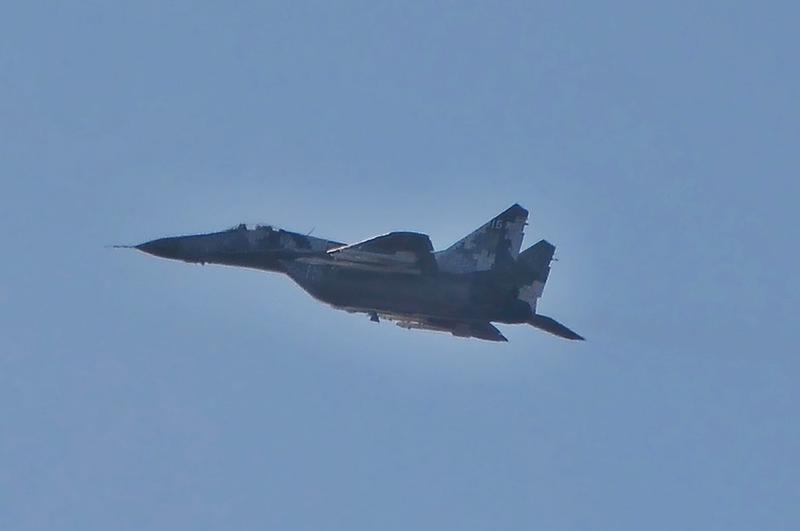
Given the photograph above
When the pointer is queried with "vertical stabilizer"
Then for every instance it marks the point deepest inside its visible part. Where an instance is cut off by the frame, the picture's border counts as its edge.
(495, 245)
(533, 268)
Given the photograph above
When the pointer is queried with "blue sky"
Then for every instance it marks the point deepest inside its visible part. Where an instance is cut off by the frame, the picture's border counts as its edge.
(656, 146)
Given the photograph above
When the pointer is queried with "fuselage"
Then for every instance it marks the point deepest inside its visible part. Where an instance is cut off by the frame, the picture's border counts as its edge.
(442, 295)
(470, 296)
(482, 278)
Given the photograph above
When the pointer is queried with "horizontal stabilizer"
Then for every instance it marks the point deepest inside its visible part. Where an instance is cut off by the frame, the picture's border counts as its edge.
(486, 331)
(548, 324)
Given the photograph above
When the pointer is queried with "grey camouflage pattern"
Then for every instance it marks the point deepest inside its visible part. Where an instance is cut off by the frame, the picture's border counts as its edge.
(482, 278)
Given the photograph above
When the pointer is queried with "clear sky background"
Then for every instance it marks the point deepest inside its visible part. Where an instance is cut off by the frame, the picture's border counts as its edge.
(655, 145)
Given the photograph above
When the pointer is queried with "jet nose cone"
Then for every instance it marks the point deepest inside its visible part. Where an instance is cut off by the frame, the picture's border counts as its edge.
(163, 248)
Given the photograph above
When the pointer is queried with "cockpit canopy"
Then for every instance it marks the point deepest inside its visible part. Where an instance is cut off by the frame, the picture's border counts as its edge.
(251, 226)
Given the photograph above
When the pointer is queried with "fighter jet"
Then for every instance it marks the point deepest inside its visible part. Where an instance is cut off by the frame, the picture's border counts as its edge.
(480, 279)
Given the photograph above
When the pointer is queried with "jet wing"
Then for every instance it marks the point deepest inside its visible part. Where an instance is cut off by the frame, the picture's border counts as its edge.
(401, 252)
(480, 330)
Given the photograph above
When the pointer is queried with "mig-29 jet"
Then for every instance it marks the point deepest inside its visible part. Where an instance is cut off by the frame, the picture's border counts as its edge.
(480, 279)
